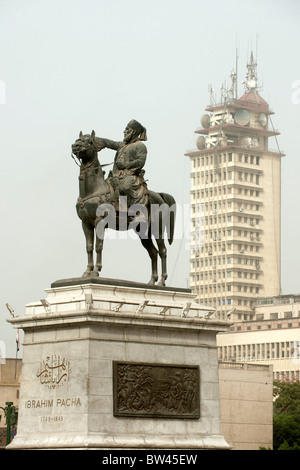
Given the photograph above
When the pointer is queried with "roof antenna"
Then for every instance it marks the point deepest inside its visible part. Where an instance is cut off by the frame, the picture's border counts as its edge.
(256, 47)
(236, 73)
(236, 69)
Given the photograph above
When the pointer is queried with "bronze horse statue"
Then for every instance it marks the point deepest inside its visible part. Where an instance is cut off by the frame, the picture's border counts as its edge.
(96, 193)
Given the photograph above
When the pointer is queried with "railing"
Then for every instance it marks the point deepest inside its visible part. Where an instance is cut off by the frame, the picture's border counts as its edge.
(278, 300)
(243, 365)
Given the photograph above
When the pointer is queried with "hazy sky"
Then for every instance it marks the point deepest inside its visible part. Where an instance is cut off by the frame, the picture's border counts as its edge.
(71, 65)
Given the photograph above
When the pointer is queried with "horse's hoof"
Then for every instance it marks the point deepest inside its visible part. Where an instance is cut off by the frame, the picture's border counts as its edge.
(162, 282)
(152, 282)
(94, 274)
(86, 274)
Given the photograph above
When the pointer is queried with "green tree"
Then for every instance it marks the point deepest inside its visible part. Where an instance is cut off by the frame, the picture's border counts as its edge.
(286, 419)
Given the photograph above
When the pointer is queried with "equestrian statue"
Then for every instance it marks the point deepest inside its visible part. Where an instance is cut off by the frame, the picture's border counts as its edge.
(122, 201)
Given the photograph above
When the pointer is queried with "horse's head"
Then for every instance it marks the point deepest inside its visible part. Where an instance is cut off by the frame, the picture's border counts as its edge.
(85, 147)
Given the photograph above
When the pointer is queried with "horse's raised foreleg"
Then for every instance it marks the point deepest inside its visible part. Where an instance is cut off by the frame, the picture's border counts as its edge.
(89, 237)
(152, 251)
(162, 250)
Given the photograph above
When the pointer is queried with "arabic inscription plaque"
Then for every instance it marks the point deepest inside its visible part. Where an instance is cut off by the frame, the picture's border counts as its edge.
(54, 371)
(156, 390)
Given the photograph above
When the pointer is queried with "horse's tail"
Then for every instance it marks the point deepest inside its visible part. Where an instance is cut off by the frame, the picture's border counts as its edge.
(170, 201)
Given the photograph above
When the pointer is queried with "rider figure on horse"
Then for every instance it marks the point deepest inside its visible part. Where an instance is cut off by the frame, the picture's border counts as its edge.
(127, 175)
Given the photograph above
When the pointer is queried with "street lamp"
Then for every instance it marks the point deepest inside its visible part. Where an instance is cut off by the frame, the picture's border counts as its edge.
(11, 415)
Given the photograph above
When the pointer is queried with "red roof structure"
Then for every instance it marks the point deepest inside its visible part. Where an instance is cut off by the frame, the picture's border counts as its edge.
(253, 99)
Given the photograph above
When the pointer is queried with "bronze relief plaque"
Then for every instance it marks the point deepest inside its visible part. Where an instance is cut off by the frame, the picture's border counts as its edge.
(156, 390)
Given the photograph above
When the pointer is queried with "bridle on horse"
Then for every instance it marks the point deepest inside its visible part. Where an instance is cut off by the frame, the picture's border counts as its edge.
(85, 168)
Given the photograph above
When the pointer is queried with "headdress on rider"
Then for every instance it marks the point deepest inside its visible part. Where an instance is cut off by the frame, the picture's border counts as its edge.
(138, 128)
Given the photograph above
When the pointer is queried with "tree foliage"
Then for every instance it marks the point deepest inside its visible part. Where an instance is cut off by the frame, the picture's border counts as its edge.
(286, 419)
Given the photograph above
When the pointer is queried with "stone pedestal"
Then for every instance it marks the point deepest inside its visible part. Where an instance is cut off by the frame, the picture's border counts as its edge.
(118, 365)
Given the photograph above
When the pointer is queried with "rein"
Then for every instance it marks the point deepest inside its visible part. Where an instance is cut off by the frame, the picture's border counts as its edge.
(73, 156)
(85, 168)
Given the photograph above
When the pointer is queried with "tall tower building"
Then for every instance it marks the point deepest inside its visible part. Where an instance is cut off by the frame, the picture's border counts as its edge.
(235, 202)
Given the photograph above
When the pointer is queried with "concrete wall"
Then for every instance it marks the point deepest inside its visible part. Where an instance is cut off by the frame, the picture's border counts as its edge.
(246, 404)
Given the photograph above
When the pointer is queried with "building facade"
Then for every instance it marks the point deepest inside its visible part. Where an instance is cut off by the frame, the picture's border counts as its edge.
(272, 339)
(10, 371)
(235, 203)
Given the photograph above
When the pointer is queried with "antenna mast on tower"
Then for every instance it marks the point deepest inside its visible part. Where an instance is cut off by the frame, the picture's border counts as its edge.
(236, 73)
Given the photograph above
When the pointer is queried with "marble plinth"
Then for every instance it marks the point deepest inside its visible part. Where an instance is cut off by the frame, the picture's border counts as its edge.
(72, 340)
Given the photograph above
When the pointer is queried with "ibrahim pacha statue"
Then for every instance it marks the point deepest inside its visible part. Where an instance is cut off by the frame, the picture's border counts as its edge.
(103, 202)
